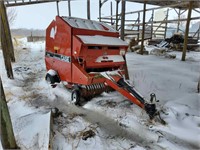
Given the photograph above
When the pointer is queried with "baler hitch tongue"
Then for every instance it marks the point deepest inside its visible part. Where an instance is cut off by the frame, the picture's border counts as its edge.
(118, 83)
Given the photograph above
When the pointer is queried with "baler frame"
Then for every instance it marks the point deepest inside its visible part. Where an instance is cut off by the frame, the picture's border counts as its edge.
(75, 47)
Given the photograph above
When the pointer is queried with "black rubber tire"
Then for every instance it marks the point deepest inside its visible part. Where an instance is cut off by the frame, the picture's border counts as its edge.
(76, 96)
(50, 79)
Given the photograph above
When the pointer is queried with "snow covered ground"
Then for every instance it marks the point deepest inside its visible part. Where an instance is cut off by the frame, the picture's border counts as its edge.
(114, 122)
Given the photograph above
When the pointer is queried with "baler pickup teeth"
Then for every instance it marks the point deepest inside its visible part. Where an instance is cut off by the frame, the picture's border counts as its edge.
(89, 91)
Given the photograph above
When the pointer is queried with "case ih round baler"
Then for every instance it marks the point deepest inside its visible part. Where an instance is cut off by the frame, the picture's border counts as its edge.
(90, 58)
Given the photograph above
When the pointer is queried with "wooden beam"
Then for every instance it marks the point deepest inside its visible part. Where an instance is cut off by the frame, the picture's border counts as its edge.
(111, 13)
(166, 18)
(29, 3)
(155, 8)
(196, 10)
(138, 27)
(164, 21)
(123, 18)
(152, 18)
(178, 24)
(57, 4)
(100, 10)
(117, 9)
(198, 35)
(126, 69)
(5, 41)
(88, 9)
(69, 8)
(127, 20)
(143, 28)
(8, 33)
(187, 31)
(6, 130)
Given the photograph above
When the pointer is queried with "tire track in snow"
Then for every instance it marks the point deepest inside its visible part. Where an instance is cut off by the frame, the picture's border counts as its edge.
(107, 124)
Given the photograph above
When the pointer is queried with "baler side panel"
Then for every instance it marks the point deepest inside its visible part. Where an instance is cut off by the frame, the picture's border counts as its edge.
(79, 75)
(61, 53)
(49, 39)
(77, 47)
(49, 46)
(63, 37)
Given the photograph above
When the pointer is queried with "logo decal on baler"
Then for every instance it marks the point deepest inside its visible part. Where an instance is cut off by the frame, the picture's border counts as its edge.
(58, 56)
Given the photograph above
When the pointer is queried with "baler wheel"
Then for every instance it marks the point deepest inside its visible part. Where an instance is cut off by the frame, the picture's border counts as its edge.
(75, 97)
(50, 79)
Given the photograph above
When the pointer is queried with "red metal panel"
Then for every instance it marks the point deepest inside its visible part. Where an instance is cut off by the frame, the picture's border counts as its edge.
(78, 31)
(79, 75)
(77, 47)
(66, 44)
(49, 40)
(63, 37)
(49, 45)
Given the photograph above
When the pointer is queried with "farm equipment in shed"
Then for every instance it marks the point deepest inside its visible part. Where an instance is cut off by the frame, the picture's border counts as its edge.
(89, 58)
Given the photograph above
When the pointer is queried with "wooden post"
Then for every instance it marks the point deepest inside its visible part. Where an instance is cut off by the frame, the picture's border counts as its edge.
(100, 10)
(88, 9)
(198, 35)
(5, 43)
(126, 69)
(7, 31)
(143, 28)
(138, 27)
(69, 8)
(152, 18)
(117, 8)
(123, 19)
(6, 130)
(166, 18)
(179, 16)
(187, 31)
(111, 13)
(57, 3)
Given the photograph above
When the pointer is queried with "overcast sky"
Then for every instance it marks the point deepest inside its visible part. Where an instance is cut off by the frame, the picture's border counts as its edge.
(38, 16)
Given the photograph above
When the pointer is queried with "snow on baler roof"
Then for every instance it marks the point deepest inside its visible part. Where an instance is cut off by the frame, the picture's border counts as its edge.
(88, 24)
(102, 40)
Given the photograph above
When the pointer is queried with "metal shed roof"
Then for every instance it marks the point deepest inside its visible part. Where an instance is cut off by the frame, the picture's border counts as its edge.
(182, 4)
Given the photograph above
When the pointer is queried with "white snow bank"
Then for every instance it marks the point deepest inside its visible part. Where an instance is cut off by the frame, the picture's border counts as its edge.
(40, 45)
(1, 147)
(39, 125)
(31, 126)
(174, 83)
(102, 40)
